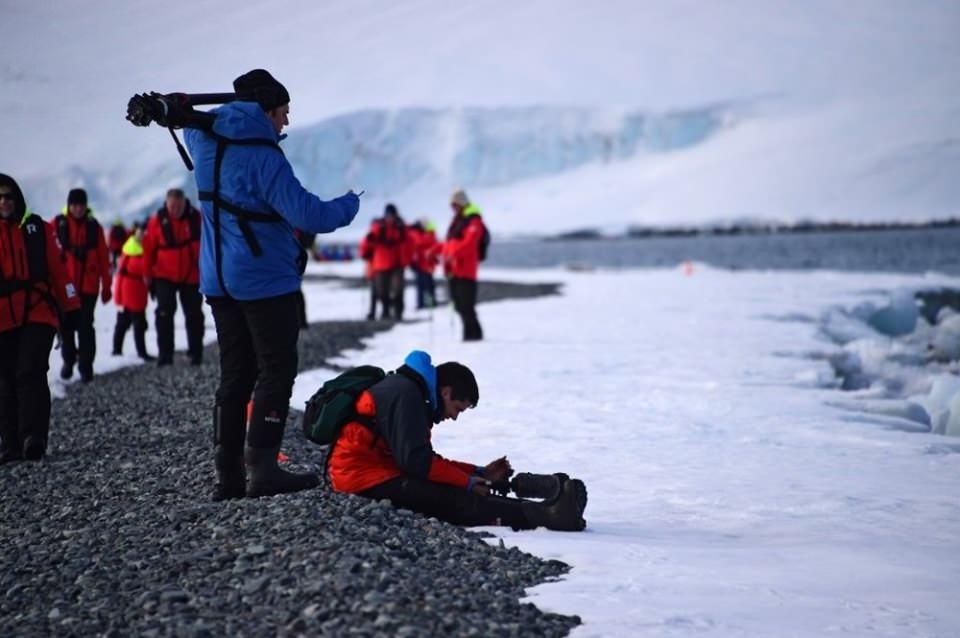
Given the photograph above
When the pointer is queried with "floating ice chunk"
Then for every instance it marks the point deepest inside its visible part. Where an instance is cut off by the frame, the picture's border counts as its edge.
(945, 344)
(953, 421)
(897, 318)
(841, 327)
(939, 402)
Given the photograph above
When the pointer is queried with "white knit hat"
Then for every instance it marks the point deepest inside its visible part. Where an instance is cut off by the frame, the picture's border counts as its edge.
(459, 197)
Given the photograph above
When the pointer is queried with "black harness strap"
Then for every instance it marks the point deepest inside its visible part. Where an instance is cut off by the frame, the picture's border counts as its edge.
(166, 227)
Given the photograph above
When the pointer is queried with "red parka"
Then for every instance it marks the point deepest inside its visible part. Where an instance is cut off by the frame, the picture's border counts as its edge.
(131, 289)
(391, 245)
(426, 248)
(461, 250)
(23, 300)
(171, 247)
(84, 249)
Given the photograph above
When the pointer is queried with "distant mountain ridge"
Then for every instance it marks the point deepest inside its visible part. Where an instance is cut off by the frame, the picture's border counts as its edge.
(391, 152)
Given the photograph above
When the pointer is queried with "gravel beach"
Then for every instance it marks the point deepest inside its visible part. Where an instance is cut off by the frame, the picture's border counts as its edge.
(114, 532)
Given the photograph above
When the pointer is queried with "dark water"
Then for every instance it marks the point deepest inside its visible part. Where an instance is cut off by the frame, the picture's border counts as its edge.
(914, 250)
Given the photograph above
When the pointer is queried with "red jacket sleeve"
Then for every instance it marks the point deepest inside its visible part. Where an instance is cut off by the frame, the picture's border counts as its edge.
(470, 240)
(62, 288)
(449, 472)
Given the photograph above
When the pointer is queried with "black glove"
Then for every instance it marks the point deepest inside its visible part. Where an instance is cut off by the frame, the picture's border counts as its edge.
(145, 108)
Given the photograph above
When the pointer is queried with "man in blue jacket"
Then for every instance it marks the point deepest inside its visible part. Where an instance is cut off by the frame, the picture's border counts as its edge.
(251, 266)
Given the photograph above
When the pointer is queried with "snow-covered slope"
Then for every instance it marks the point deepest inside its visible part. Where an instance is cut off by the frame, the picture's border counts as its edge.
(542, 109)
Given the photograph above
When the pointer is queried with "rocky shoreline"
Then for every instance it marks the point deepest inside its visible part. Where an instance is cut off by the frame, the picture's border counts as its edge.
(114, 533)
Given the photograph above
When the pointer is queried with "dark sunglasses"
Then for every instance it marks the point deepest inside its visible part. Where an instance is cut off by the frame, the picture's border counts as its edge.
(8, 196)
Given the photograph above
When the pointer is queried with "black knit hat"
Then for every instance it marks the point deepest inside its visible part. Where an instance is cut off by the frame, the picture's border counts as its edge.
(391, 209)
(77, 196)
(20, 206)
(261, 87)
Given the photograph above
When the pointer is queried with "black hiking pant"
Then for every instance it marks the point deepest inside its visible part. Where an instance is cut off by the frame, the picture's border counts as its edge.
(80, 334)
(426, 289)
(24, 392)
(126, 318)
(451, 504)
(258, 349)
(389, 285)
(463, 293)
(192, 302)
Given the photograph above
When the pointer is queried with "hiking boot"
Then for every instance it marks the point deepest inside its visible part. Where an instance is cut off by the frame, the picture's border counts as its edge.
(231, 475)
(565, 514)
(545, 486)
(148, 357)
(33, 448)
(10, 454)
(164, 361)
(265, 478)
(66, 371)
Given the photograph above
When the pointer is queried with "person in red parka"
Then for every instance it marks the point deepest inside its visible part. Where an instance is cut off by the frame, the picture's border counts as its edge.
(391, 255)
(118, 235)
(461, 261)
(366, 254)
(35, 293)
(423, 242)
(84, 250)
(171, 252)
(130, 295)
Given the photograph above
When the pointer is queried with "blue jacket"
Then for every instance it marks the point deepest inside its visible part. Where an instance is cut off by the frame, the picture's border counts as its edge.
(259, 179)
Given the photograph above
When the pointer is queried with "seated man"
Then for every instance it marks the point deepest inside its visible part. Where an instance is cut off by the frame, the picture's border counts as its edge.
(391, 456)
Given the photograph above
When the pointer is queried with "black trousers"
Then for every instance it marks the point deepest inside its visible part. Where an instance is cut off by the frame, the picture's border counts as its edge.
(126, 318)
(389, 285)
(258, 356)
(426, 289)
(24, 393)
(451, 504)
(81, 334)
(192, 302)
(463, 293)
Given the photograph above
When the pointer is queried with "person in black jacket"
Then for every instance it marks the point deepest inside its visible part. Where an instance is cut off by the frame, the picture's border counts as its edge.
(386, 453)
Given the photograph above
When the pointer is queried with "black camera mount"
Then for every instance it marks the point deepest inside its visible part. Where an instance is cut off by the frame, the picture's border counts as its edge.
(175, 110)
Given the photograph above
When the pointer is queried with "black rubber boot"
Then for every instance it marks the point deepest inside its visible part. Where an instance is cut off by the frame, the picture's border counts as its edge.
(231, 475)
(545, 486)
(565, 513)
(34, 448)
(266, 478)
(229, 431)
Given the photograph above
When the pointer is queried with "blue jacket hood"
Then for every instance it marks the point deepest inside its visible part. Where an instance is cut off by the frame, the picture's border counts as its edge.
(243, 121)
(419, 362)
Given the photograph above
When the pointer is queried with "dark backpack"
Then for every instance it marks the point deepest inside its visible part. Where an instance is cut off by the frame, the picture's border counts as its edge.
(332, 406)
(484, 242)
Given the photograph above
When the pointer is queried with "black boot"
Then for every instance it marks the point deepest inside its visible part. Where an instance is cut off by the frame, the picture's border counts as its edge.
(545, 486)
(231, 475)
(266, 478)
(34, 448)
(565, 513)
(9, 454)
(229, 432)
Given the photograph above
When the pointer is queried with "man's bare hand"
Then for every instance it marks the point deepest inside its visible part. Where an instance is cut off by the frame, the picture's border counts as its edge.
(498, 469)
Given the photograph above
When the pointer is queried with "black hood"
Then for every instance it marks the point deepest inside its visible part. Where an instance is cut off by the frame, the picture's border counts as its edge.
(20, 205)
